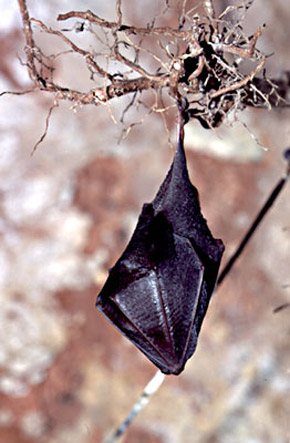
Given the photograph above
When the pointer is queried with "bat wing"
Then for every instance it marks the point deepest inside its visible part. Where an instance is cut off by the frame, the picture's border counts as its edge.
(158, 292)
(178, 198)
(152, 297)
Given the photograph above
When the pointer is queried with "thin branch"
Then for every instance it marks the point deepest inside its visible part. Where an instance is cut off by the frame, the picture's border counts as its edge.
(153, 385)
(209, 9)
(27, 91)
(134, 66)
(119, 13)
(47, 120)
(93, 18)
(241, 83)
(30, 44)
(88, 56)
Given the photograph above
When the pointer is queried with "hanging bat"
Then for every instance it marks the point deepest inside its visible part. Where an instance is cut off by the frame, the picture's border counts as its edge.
(158, 292)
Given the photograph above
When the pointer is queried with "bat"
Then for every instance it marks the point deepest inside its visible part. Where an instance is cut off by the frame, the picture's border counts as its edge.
(158, 292)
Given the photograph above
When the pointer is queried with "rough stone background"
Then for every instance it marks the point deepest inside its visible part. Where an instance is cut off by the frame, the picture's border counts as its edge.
(67, 212)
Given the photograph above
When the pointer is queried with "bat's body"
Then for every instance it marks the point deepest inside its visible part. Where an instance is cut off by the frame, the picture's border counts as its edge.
(158, 292)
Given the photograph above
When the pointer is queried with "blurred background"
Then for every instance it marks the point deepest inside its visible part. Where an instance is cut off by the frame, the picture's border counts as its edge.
(66, 214)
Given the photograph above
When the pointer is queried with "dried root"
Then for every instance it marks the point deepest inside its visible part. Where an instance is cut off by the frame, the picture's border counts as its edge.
(201, 60)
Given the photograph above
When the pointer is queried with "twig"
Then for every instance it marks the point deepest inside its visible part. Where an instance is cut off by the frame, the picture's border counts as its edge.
(75, 48)
(239, 84)
(27, 91)
(149, 390)
(93, 18)
(47, 120)
(30, 44)
(119, 13)
(209, 9)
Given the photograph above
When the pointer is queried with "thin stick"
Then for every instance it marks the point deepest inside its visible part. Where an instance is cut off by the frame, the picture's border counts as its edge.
(153, 385)
(209, 9)
(281, 308)
(267, 205)
(44, 134)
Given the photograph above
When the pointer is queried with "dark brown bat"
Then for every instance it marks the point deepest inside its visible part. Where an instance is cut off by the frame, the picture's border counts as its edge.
(158, 292)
